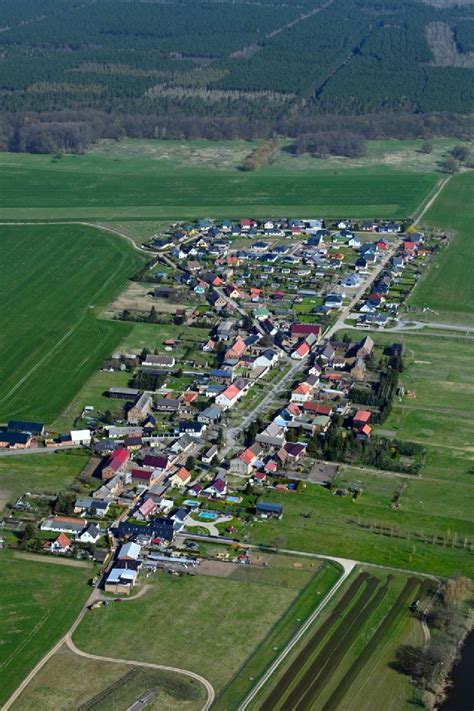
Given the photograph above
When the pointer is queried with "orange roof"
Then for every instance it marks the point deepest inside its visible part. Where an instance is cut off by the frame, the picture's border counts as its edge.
(302, 389)
(238, 347)
(303, 349)
(183, 474)
(63, 540)
(190, 396)
(231, 392)
(247, 456)
(366, 429)
(362, 416)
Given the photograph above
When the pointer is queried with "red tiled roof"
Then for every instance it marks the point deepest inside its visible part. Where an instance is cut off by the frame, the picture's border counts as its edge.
(141, 474)
(362, 416)
(304, 329)
(231, 392)
(247, 456)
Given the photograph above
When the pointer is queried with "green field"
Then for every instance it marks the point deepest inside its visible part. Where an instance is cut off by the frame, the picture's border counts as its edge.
(330, 668)
(53, 281)
(132, 181)
(247, 609)
(40, 473)
(110, 687)
(449, 286)
(38, 603)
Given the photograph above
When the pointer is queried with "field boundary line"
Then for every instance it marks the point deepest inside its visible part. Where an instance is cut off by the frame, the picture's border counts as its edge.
(348, 566)
(431, 198)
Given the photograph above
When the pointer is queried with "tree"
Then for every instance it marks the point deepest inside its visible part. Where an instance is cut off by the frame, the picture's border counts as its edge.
(107, 417)
(220, 437)
(126, 315)
(451, 165)
(190, 463)
(460, 153)
(144, 354)
(152, 316)
(427, 147)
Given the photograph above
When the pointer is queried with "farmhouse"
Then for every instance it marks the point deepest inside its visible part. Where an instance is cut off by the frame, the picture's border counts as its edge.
(116, 464)
(140, 409)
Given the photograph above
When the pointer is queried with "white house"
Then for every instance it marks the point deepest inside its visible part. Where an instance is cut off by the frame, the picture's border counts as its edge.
(81, 437)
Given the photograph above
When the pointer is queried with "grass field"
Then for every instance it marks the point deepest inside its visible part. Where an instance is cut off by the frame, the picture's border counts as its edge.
(53, 281)
(210, 625)
(132, 182)
(40, 473)
(110, 687)
(449, 286)
(328, 668)
(38, 603)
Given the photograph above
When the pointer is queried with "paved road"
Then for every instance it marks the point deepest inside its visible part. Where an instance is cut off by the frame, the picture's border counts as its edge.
(348, 566)
(411, 325)
(36, 450)
(340, 323)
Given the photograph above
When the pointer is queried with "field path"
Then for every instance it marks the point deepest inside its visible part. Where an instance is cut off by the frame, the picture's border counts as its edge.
(423, 209)
(67, 639)
(348, 566)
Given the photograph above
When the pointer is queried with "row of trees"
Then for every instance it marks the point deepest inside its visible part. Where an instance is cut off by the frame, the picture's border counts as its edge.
(324, 143)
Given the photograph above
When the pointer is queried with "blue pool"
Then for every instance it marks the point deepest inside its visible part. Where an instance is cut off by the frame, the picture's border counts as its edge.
(210, 515)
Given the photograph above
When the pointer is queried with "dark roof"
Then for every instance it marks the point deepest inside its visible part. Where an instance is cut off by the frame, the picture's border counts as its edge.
(158, 528)
(24, 426)
(157, 461)
(265, 507)
(15, 437)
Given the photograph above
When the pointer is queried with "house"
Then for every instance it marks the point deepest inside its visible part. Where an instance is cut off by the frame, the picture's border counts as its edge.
(229, 397)
(237, 350)
(193, 429)
(209, 455)
(180, 478)
(243, 463)
(15, 440)
(301, 351)
(209, 347)
(167, 404)
(146, 509)
(89, 506)
(157, 529)
(365, 347)
(301, 393)
(361, 418)
(90, 534)
(317, 408)
(301, 330)
(266, 359)
(140, 409)
(60, 545)
(267, 510)
(211, 415)
(271, 436)
(144, 477)
(159, 361)
(195, 490)
(225, 329)
(295, 450)
(115, 464)
(218, 488)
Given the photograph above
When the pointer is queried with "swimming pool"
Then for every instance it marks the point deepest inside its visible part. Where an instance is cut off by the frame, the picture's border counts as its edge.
(210, 515)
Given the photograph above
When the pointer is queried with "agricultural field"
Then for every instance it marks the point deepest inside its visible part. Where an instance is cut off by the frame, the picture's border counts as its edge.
(452, 211)
(40, 473)
(359, 632)
(114, 189)
(38, 603)
(53, 281)
(110, 687)
(251, 611)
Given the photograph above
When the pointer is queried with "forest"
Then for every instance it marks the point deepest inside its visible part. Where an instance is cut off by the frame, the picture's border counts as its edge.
(225, 68)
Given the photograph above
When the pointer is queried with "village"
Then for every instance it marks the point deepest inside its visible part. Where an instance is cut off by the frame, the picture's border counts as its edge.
(274, 397)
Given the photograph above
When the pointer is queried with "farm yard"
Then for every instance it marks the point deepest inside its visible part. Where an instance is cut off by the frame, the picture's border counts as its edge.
(38, 603)
(53, 281)
(120, 187)
(363, 628)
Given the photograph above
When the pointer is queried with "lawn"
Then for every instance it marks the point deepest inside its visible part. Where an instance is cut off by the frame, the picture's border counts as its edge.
(38, 603)
(127, 186)
(38, 473)
(53, 281)
(419, 536)
(449, 286)
(114, 687)
(226, 618)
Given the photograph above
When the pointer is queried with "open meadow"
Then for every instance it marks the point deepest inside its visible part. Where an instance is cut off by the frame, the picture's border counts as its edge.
(38, 603)
(355, 638)
(448, 287)
(38, 474)
(53, 281)
(162, 180)
(253, 615)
